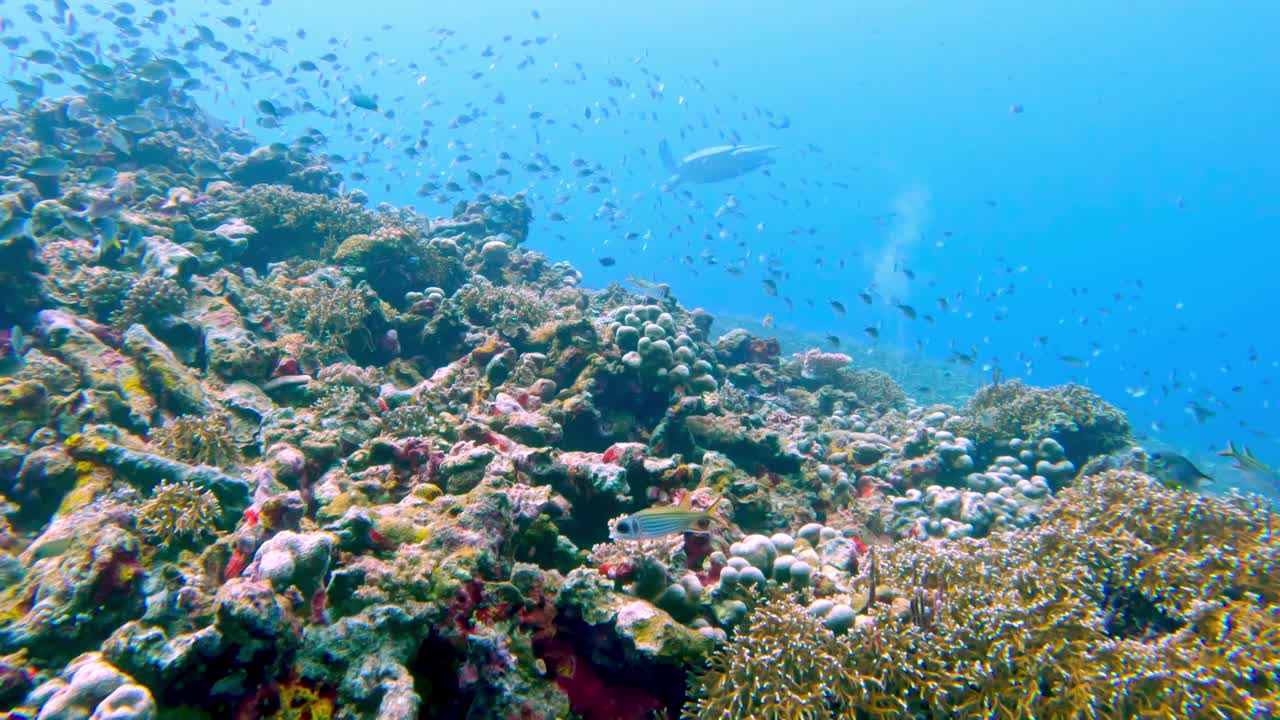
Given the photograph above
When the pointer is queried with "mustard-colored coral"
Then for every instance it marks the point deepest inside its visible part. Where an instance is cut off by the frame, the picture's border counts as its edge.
(178, 512)
(1129, 600)
(300, 700)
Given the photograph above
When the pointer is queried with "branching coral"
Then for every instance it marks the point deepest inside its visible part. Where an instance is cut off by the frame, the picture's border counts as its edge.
(204, 440)
(512, 310)
(1130, 600)
(323, 307)
(292, 223)
(1085, 424)
(148, 298)
(411, 420)
(782, 669)
(338, 401)
(328, 314)
(178, 512)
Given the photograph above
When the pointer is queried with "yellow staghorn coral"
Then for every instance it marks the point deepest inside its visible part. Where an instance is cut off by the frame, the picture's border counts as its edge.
(1128, 601)
(786, 661)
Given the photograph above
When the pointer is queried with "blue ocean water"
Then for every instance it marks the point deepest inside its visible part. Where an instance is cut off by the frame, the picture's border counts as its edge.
(1090, 187)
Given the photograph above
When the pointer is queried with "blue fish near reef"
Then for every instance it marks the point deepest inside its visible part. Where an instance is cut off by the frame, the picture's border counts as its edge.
(657, 522)
(1175, 471)
(17, 342)
(713, 164)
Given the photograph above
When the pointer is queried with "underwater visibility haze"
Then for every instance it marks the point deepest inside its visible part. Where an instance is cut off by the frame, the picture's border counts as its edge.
(634, 360)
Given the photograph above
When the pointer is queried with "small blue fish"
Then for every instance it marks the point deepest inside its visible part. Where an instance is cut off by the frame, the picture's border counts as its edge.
(367, 102)
(102, 176)
(18, 344)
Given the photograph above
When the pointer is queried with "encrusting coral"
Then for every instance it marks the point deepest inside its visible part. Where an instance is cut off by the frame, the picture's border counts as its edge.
(1129, 600)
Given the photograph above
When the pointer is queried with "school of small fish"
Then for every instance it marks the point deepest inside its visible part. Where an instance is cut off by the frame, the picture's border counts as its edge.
(386, 124)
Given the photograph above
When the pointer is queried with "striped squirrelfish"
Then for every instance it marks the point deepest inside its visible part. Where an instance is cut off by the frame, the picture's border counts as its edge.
(659, 521)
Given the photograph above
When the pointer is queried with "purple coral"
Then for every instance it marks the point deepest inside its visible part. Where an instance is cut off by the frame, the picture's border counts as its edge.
(816, 364)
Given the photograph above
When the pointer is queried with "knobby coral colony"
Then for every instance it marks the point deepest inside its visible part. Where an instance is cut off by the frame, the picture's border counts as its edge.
(267, 453)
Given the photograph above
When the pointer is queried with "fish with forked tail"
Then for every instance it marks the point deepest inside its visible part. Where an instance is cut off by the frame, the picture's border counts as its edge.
(1253, 468)
(714, 164)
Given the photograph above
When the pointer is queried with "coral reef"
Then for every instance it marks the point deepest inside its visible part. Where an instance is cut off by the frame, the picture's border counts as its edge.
(292, 224)
(268, 453)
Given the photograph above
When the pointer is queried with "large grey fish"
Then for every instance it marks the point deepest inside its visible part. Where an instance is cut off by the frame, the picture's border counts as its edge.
(714, 164)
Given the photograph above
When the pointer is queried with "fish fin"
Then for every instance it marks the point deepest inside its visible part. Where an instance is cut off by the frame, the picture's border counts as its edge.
(664, 151)
(712, 507)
